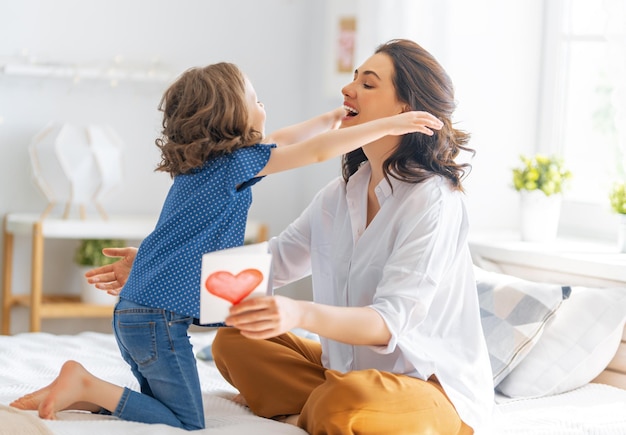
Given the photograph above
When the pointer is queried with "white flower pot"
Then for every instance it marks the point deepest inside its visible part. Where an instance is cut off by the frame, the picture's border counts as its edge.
(539, 215)
(90, 294)
(621, 234)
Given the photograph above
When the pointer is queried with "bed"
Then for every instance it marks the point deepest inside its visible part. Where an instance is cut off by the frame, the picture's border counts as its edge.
(568, 403)
(31, 360)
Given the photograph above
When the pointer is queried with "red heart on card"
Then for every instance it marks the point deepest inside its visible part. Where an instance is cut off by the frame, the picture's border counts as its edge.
(233, 288)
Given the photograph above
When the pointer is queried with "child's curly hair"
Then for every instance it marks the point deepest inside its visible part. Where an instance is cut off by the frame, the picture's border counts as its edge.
(204, 116)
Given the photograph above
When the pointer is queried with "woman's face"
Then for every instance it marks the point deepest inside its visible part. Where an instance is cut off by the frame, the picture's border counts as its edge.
(371, 95)
(256, 110)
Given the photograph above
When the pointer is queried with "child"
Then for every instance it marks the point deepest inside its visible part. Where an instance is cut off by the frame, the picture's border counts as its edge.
(213, 146)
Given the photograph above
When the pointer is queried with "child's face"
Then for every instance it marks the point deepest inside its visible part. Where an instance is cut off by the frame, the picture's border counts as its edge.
(256, 110)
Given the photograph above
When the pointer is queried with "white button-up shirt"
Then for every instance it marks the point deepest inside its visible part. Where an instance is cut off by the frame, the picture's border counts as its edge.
(412, 265)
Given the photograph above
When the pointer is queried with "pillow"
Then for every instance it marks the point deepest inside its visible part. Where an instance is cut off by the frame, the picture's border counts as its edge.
(575, 347)
(513, 314)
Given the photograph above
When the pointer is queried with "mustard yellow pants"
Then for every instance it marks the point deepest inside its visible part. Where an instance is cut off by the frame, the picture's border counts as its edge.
(284, 376)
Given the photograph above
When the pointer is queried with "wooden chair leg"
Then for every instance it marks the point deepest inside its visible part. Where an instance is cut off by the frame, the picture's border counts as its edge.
(36, 293)
(7, 279)
(263, 233)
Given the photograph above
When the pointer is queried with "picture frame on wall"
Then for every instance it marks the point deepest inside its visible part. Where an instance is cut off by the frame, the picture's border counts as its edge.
(342, 42)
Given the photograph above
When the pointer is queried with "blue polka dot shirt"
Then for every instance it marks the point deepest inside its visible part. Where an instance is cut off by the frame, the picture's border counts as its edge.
(204, 211)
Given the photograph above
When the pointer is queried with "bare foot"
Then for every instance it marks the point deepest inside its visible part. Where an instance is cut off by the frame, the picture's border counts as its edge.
(289, 419)
(292, 419)
(239, 400)
(31, 401)
(68, 390)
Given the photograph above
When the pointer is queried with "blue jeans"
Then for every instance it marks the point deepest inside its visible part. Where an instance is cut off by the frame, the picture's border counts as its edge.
(155, 343)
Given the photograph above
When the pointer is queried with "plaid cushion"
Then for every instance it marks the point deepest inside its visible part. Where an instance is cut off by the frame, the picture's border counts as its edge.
(575, 347)
(513, 314)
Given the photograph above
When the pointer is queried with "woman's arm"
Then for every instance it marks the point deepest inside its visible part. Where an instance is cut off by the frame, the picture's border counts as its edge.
(269, 316)
(334, 143)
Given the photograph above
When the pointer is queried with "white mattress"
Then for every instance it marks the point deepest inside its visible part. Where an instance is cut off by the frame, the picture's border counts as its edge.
(30, 361)
(594, 409)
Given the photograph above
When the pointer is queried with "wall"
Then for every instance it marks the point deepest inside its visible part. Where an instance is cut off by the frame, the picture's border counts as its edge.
(176, 35)
(490, 48)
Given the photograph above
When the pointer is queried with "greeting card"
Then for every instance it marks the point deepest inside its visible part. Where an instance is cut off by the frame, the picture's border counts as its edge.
(230, 276)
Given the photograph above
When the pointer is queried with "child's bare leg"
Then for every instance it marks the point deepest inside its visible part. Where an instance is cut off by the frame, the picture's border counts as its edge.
(74, 388)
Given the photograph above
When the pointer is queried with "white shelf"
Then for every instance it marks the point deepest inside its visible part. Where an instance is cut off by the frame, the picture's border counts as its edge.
(115, 227)
(44, 305)
(77, 72)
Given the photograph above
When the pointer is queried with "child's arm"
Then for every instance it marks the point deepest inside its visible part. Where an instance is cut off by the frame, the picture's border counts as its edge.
(337, 142)
(306, 129)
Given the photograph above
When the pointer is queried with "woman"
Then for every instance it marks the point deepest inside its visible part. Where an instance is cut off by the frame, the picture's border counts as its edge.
(395, 304)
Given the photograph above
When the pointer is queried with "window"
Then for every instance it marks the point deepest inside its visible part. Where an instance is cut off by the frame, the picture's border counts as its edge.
(583, 111)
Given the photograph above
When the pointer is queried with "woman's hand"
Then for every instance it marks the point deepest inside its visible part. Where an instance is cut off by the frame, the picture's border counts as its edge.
(112, 277)
(265, 316)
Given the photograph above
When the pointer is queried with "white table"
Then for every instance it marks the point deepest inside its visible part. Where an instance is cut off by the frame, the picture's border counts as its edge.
(39, 229)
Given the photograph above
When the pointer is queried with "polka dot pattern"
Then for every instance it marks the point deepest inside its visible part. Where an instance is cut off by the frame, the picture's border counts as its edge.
(203, 212)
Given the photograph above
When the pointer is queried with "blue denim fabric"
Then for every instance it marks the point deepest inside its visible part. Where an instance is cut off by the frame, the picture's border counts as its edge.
(155, 343)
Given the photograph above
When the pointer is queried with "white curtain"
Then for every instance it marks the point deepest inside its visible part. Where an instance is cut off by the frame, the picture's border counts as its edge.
(616, 36)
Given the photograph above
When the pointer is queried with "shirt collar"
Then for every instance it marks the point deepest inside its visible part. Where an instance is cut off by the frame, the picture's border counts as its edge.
(383, 190)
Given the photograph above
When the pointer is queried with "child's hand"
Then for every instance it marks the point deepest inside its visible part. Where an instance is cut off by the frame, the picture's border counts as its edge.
(414, 121)
(112, 277)
(337, 115)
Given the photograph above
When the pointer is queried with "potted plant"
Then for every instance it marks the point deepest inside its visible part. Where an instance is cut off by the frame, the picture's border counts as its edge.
(617, 197)
(540, 180)
(540, 172)
(88, 255)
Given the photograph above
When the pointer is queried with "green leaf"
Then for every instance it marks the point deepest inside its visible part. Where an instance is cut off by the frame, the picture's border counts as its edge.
(89, 251)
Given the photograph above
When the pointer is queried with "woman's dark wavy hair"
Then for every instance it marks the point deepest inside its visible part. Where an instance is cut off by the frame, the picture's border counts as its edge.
(422, 83)
(204, 116)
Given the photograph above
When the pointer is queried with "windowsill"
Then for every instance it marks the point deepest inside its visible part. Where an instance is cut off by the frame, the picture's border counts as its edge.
(589, 220)
(567, 255)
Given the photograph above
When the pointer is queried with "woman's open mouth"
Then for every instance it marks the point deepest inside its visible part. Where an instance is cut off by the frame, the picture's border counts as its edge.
(350, 111)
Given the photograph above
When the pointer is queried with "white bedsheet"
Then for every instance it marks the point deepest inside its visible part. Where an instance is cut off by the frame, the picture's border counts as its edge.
(594, 409)
(30, 361)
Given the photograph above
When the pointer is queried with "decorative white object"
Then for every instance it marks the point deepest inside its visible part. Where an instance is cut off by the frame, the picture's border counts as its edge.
(76, 166)
(539, 215)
